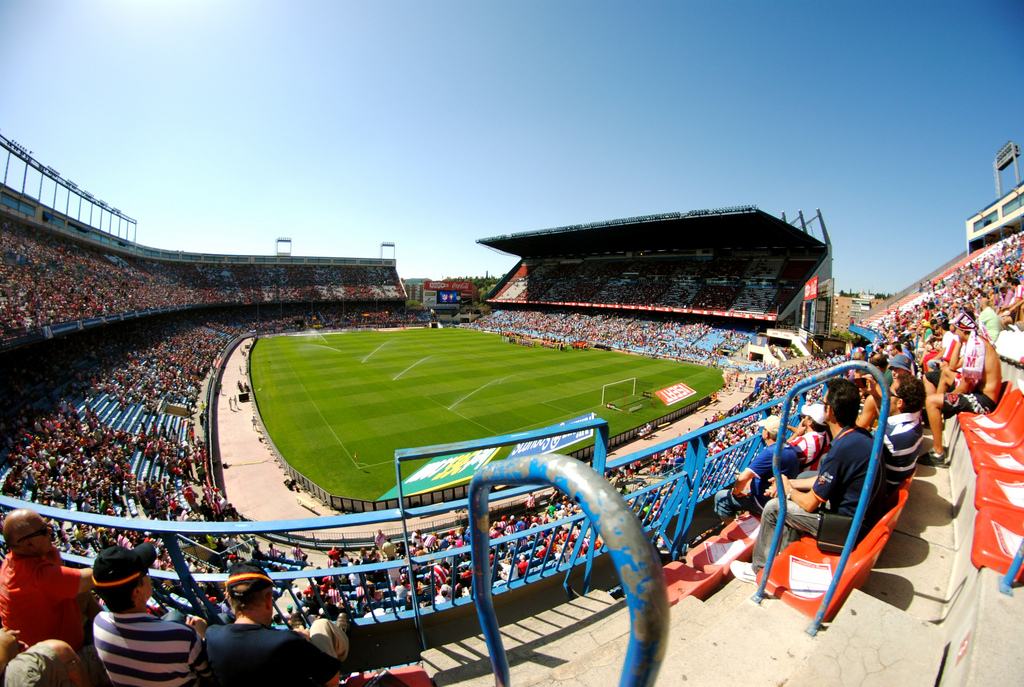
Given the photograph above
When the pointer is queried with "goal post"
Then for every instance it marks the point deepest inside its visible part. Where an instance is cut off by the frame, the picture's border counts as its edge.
(615, 391)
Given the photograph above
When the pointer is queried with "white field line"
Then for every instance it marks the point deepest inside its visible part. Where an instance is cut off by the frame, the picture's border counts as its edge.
(326, 424)
(410, 367)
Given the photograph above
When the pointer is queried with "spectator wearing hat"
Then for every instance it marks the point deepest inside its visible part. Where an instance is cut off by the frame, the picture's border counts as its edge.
(978, 388)
(810, 438)
(136, 648)
(250, 652)
(748, 491)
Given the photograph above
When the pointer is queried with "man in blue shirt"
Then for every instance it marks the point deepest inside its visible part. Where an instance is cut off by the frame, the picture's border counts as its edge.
(748, 492)
(838, 483)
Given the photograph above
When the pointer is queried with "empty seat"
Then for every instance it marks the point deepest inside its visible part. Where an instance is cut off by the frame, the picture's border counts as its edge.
(998, 533)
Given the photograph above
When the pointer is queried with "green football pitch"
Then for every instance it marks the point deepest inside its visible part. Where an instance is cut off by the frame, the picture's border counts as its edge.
(338, 406)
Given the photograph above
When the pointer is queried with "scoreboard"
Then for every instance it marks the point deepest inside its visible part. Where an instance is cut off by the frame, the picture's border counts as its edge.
(447, 294)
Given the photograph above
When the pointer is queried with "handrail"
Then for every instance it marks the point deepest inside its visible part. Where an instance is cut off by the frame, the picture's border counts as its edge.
(866, 490)
(634, 557)
(1006, 582)
(600, 427)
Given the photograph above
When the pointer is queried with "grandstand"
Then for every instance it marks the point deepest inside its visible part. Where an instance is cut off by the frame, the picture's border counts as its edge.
(736, 263)
(111, 350)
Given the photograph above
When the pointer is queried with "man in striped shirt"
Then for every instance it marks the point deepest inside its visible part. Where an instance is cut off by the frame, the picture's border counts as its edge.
(137, 649)
(903, 431)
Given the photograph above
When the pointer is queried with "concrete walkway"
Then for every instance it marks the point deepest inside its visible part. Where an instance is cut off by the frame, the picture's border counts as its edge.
(253, 479)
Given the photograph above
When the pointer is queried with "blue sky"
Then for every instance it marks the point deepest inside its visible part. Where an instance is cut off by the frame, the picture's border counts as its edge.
(221, 126)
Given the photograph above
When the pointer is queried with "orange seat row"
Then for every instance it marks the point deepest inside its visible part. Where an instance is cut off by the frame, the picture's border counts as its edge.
(996, 443)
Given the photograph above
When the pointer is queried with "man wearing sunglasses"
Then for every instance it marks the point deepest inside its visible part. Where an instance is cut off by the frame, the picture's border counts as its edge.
(39, 598)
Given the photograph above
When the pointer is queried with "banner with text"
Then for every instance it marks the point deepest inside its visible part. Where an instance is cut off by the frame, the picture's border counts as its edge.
(552, 444)
(674, 393)
(443, 472)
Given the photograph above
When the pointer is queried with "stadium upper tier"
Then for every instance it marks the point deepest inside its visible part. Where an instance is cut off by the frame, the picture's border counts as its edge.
(735, 262)
(47, 279)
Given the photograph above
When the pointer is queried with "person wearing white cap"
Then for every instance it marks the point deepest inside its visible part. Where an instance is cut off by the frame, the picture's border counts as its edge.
(810, 437)
(748, 492)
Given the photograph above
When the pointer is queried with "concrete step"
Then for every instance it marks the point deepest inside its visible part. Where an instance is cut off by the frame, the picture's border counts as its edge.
(727, 639)
(534, 645)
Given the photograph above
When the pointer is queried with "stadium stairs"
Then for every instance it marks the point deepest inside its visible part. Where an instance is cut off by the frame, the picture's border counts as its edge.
(925, 616)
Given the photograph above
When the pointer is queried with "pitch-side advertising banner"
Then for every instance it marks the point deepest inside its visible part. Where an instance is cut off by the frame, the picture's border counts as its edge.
(443, 472)
(674, 393)
(552, 444)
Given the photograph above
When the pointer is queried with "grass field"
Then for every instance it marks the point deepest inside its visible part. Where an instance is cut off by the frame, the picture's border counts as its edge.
(339, 406)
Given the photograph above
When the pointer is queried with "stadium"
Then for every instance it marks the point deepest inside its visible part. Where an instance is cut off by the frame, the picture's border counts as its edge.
(283, 409)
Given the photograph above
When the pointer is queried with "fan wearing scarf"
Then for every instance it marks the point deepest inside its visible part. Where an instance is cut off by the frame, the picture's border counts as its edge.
(978, 387)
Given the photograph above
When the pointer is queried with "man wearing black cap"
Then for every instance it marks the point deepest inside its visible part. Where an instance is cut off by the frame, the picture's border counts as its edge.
(136, 648)
(250, 652)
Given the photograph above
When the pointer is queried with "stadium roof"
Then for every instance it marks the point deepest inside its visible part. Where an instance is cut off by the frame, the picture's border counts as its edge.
(740, 228)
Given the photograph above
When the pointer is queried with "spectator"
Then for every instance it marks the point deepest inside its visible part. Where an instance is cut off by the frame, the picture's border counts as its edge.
(810, 438)
(50, 663)
(250, 652)
(748, 492)
(39, 598)
(978, 390)
(904, 430)
(838, 484)
(135, 647)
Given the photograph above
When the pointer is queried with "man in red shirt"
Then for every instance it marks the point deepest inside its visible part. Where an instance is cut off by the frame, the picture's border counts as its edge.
(39, 598)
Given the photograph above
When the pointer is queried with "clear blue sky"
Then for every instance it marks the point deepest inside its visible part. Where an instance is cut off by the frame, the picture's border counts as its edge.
(221, 126)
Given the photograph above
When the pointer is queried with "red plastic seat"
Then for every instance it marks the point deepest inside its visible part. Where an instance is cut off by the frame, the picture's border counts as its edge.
(1009, 406)
(409, 676)
(997, 536)
(707, 563)
(1009, 436)
(1009, 460)
(999, 488)
(801, 574)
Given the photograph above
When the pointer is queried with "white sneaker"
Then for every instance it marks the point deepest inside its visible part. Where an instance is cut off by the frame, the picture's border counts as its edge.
(744, 572)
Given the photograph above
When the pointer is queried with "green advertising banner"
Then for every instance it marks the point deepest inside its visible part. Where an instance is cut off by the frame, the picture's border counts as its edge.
(443, 472)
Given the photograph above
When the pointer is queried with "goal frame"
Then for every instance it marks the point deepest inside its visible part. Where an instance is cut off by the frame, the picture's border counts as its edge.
(604, 389)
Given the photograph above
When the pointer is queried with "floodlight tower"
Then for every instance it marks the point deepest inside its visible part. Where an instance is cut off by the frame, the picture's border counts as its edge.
(1007, 154)
(387, 244)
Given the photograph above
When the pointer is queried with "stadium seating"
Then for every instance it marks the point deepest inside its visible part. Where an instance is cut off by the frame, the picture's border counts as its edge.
(802, 573)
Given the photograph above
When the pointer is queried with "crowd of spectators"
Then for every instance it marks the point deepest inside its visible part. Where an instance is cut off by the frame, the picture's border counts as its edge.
(989, 279)
(722, 284)
(694, 342)
(47, 280)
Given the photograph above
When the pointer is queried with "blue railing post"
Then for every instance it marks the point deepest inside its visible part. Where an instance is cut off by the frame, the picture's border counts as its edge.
(866, 490)
(188, 583)
(634, 557)
(1006, 582)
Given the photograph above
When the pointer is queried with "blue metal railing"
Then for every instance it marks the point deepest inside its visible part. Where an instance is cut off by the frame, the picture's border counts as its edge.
(866, 490)
(1006, 581)
(632, 554)
(666, 509)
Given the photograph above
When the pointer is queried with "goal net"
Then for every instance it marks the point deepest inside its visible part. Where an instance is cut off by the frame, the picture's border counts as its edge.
(619, 392)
